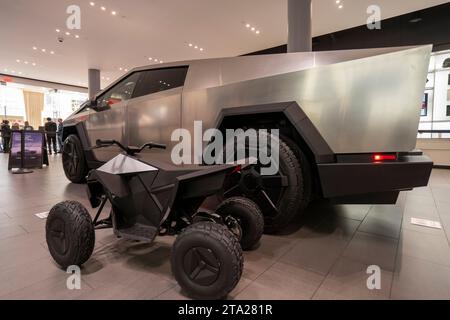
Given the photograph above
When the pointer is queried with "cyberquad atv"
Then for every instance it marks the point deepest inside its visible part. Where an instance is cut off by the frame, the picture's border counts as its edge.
(150, 199)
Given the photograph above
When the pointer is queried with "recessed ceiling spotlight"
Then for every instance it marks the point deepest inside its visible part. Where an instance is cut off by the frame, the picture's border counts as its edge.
(156, 60)
(161, 61)
(34, 48)
(43, 50)
(258, 32)
(121, 69)
(150, 58)
(57, 30)
(18, 61)
(113, 13)
(126, 70)
(103, 8)
(247, 25)
(92, 4)
(67, 33)
(26, 62)
(33, 64)
(52, 52)
(190, 44)
(253, 29)
(341, 6)
(196, 47)
(201, 49)
(107, 79)
(77, 36)
(338, 1)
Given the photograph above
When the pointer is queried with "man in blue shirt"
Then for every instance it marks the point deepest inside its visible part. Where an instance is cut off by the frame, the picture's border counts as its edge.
(59, 135)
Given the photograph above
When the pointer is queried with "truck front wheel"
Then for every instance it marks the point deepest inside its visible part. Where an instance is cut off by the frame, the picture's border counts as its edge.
(74, 160)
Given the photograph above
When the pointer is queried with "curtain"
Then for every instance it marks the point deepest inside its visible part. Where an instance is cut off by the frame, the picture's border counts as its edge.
(34, 105)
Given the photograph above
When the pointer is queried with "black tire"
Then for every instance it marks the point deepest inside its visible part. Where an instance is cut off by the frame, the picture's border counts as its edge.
(305, 170)
(207, 261)
(291, 197)
(249, 217)
(70, 234)
(74, 160)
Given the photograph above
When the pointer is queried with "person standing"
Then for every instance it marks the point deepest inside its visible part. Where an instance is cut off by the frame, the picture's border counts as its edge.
(15, 126)
(50, 130)
(59, 134)
(6, 135)
(27, 126)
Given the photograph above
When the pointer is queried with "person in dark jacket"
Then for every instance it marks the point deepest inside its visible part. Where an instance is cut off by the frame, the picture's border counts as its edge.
(27, 126)
(6, 135)
(50, 130)
(59, 134)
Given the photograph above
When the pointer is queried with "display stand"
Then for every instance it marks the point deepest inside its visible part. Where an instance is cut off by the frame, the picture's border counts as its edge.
(27, 151)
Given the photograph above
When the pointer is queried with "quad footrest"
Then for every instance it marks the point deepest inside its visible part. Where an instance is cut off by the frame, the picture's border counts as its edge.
(138, 232)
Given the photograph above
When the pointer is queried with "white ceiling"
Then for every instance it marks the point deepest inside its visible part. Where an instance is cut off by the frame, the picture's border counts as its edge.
(160, 29)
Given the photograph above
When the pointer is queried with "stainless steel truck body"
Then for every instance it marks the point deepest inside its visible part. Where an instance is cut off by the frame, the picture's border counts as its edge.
(348, 119)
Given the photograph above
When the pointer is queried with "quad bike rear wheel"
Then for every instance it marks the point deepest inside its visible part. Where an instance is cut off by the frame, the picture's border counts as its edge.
(70, 234)
(74, 160)
(207, 260)
(248, 216)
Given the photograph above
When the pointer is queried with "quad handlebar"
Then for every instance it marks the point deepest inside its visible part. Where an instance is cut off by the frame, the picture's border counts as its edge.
(129, 150)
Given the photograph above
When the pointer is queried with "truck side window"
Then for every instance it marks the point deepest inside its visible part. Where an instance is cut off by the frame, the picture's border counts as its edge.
(120, 92)
(157, 80)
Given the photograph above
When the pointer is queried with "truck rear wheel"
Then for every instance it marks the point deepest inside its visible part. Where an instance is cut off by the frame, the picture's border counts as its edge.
(74, 160)
(282, 196)
(207, 261)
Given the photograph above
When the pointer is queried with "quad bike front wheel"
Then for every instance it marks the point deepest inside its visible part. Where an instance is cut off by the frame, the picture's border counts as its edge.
(248, 216)
(207, 260)
(70, 234)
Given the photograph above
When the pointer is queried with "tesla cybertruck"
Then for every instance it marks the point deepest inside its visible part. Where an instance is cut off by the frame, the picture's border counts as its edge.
(347, 120)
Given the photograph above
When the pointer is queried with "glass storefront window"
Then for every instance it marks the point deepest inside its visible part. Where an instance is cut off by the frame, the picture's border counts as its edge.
(435, 113)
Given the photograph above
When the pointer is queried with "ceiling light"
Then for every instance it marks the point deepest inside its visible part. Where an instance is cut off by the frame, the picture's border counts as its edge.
(34, 64)
(67, 33)
(92, 4)
(77, 36)
(107, 79)
(258, 32)
(120, 69)
(253, 29)
(103, 8)
(341, 6)
(20, 72)
(201, 49)
(196, 47)
(113, 13)
(126, 70)
(26, 62)
(57, 30)
(34, 48)
(43, 50)
(161, 62)
(52, 52)
(190, 44)
(18, 61)
(156, 60)
(150, 58)
(247, 25)
(338, 1)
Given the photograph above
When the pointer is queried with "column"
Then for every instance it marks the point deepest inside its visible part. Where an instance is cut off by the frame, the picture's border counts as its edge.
(300, 26)
(94, 82)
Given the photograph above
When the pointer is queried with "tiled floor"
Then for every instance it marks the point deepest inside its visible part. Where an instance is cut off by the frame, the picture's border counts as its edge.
(324, 256)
